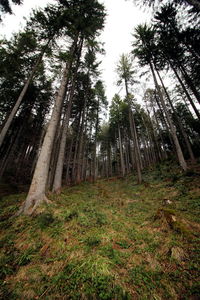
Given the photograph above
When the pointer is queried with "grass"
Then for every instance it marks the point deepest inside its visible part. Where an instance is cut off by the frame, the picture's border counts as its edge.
(109, 240)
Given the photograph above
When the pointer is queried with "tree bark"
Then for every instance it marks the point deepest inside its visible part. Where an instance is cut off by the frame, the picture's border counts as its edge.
(181, 159)
(60, 161)
(36, 194)
(179, 122)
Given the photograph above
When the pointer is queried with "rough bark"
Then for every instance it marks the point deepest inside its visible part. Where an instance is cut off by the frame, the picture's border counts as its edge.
(37, 189)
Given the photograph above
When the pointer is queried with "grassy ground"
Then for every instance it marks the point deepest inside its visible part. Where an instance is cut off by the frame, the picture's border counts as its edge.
(109, 240)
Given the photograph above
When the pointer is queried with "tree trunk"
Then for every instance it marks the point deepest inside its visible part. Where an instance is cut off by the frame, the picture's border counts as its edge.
(185, 91)
(164, 121)
(134, 137)
(189, 82)
(74, 166)
(37, 189)
(181, 159)
(21, 96)
(121, 153)
(10, 153)
(160, 134)
(95, 144)
(80, 148)
(60, 161)
(179, 122)
(69, 157)
(136, 145)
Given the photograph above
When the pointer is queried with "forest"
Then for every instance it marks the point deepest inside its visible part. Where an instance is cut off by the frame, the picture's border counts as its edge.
(100, 198)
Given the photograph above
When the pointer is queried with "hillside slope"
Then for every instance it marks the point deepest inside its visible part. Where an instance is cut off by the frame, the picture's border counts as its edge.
(109, 240)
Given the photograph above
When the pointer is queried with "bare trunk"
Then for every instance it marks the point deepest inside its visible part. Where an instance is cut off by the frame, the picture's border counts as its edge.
(179, 122)
(9, 153)
(69, 157)
(80, 148)
(20, 98)
(189, 82)
(95, 145)
(60, 161)
(37, 189)
(186, 92)
(74, 167)
(181, 159)
(158, 151)
(138, 161)
(127, 157)
(164, 121)
(54, 158)
(158, 128)
(121, 153)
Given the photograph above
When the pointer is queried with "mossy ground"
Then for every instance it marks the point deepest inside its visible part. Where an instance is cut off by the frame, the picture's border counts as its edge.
(110, 240)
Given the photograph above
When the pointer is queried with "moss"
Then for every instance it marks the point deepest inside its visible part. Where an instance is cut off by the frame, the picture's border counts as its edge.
(174, 222)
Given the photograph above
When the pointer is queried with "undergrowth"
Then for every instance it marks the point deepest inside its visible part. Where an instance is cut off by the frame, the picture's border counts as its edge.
(109, 240)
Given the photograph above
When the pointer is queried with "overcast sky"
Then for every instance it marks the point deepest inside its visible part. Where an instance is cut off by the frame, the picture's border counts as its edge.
(122, 17)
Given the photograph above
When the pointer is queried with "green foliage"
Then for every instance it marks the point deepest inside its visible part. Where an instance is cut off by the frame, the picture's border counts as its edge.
(144, 279)
(113, 254)
(90, 217)
(123, 244)
(92, 241)
(45, 219)
(25, 257)
(70, 214)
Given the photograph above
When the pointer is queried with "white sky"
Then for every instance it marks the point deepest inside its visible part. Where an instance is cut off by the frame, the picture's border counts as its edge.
(122, 17)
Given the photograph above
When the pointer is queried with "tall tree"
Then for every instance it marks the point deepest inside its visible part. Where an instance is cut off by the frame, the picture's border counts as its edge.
(125, 73)
(144, 49)
(89, 20)
(45, 20)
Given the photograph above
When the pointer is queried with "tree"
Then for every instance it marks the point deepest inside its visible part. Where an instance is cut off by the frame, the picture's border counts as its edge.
(125, 73)
(144, 49)
(48, 17)
(100, 101)
(118, 122)
(194, 3)
(89, 22)
(5, 5)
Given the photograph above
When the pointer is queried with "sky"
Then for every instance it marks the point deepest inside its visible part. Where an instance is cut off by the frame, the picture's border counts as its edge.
(122, 17)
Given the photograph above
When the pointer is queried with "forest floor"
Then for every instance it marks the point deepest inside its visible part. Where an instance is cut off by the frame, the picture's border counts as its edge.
(110, 240)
